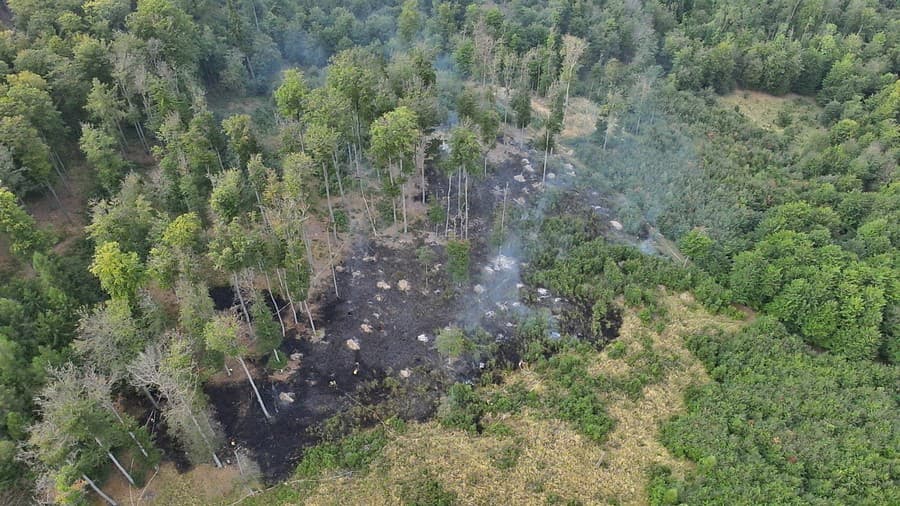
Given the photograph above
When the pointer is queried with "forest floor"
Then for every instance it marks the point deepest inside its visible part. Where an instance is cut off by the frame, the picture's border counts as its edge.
(64, 218)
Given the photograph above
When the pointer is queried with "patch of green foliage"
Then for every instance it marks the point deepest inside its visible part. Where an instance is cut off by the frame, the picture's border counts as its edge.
(780, 424)
(436, 214)
(426, 490)
(352, 453)
(462, 409)
(661, 487)
(451, 342)
(458, 259)
(800, 224)
(507, 455)
(581, 406)
(554, 499)
(591, 272)
(341, 220)
(617, 349)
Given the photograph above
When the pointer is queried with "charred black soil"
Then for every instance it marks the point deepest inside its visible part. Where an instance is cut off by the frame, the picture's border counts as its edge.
(375, 354)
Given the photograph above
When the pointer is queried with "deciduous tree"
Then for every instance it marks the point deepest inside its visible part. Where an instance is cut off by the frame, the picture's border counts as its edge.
(120, 273)
(394, 139)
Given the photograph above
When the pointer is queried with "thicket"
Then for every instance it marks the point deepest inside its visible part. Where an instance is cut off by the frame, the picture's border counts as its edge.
(782, 424)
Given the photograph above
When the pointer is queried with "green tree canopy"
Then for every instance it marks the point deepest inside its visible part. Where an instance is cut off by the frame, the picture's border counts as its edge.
(120, 273)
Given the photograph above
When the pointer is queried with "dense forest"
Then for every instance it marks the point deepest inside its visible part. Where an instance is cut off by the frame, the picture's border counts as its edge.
(198, 197)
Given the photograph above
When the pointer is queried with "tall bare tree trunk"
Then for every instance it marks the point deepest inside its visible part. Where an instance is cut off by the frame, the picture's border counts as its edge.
(130, 433)
(566, 103)
(143, 138)
(287, 293)
(205, 440)
(362, 192)
(274, 303)
(312, 324)
(115, 462)
(150, 397)
(250, 67)
(337, 171)
(328, 198)
(293, 309)
(403, 197)
(309, 253)
(369, 213)
(255, 390)
(503, 217)
(255, 15)
(240, 295)
(423, 173)
(459, 192)
(331, 263)
(58, 202)
(99, 492)
(393, 199)
(449, 192)
(546, 155)
(466, 226)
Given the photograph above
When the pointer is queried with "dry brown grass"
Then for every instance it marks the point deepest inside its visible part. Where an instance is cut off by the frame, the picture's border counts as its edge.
(581, 116)
(202, 485)
(762, 108)
(554, 458)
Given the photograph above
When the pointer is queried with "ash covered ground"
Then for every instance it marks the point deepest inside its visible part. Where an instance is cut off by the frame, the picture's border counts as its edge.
(384, 322)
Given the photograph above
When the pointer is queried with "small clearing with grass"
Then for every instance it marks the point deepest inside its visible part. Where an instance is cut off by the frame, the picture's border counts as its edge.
(764, 109)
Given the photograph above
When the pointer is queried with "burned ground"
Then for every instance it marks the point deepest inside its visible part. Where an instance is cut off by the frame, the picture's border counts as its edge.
(382, 324)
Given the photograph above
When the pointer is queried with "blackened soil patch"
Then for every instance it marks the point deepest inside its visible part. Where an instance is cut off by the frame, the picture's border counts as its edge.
(333, 378)
(385, 310)
(223, 297)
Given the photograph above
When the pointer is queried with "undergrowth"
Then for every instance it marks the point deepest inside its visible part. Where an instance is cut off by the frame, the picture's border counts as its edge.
(347, 456)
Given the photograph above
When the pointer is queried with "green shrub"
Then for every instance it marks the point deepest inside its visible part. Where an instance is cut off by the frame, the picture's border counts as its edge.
(507, 456)
(275, 363)
(341, 220)
(499, 429)
(661, 488)
(779, 424)
(553, 499)
(634, 296)
(513, 399)
(462, 408)
(354, 453)
(436, 213)
(425, 490)
(458, 260)
(585, 410)
(451, 342)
